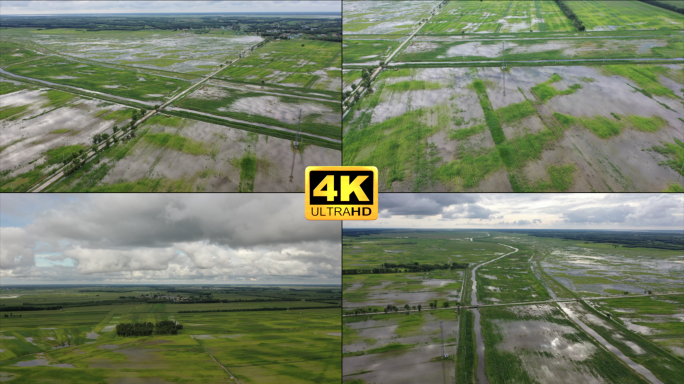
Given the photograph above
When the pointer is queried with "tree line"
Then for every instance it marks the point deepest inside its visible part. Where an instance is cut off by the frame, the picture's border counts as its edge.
(93, 23)
(255, 309)
(404, 268)
(164, 327)
(416, 267)
(664, 5)
(18, 308)
(571, 15)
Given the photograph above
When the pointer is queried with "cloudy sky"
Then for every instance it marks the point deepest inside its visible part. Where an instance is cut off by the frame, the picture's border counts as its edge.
(155, 238)
(96, 6)
(546, 211)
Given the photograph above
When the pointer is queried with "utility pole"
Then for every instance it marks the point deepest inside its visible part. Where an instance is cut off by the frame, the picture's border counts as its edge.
(503, 68)
(441, 327)
(296, 143)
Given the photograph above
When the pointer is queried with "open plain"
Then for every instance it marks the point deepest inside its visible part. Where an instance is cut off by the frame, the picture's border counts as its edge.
(71, 97)
(525, 306)
(78, 343)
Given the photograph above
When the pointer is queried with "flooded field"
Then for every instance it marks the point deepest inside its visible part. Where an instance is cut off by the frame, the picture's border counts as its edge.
(384, 17)
(630, 313)
(400, 348)
(173, 153)
(550, 128)
(64, 90)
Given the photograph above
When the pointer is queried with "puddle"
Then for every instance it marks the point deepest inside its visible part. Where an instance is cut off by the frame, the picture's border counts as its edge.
(640, 329)
(203, 337)
(42, 362)
(92, 335)
(6, 376)
(230, 336)
(334, 334)
(109, 346)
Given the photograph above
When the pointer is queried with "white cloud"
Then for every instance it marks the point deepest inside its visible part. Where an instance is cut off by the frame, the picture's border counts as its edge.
(193, 237)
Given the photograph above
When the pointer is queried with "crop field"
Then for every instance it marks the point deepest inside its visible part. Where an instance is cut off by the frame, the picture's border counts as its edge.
(555, 129)
(77, 344)
(623, 15)
(493, 16)
(171, 153)
(368, 50)
(630, 315)
(60, 87)
(436, 118)
(384, 17)
(174, 51)
(119, 82)
(313, 65)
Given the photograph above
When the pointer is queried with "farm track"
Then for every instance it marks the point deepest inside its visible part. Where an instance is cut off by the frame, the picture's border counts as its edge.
(527, 303)
(255, 124)
(216, 361)
(643, 60)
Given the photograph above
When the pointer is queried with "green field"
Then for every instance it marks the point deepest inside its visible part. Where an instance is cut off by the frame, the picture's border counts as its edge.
(80, 335)
(619, 15)
(92, 77)
(295, 63)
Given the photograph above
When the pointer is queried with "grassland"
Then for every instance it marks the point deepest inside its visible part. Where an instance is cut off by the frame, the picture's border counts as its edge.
(77, 344)
(600, 15)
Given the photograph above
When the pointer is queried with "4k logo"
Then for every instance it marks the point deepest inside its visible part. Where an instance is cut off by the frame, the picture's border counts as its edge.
(341, 193)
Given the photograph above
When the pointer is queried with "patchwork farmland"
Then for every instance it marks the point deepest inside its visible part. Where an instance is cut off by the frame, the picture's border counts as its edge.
(516, 96)
(215, 108)
(79, 343)
(530, 306)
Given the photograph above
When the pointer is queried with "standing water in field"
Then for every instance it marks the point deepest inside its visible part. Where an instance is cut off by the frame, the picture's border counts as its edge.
(637, 367)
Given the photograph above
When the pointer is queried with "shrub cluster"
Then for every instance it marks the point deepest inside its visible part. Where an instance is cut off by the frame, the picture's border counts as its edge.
(164, 327)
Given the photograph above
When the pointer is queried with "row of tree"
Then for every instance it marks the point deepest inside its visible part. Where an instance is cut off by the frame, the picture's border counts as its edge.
(393, 308)
(17, 308)
(164, 327)
(664, 5)
(571, 15)
(256, 309)
(11, 315)
(417, 267)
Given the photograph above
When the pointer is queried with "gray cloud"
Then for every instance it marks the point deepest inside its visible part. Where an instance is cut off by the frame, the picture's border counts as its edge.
(193, 236)
(617, 214)
(557, 210)
(450, 206)
(60, 7)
